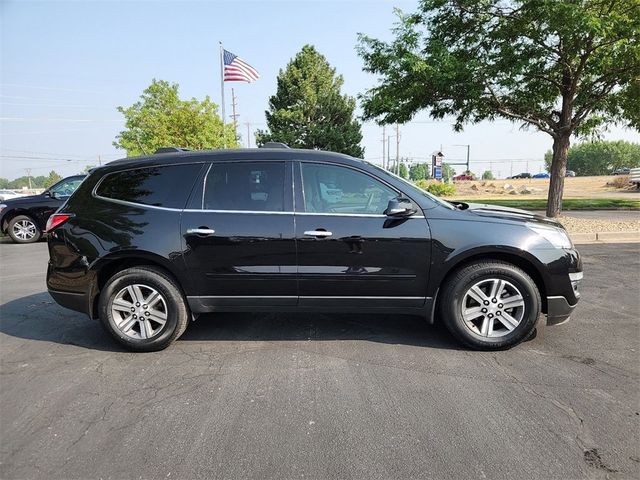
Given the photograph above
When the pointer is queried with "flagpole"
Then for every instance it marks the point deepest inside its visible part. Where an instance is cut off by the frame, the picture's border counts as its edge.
(222, 91)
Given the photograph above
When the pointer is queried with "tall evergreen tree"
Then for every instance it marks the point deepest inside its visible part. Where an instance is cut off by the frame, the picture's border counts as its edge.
(308, 109)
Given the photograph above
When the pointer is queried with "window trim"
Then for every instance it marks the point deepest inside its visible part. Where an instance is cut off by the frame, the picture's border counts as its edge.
(94, 191)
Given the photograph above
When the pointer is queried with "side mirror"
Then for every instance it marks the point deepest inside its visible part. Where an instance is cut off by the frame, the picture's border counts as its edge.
(51, 194)
(399, 207)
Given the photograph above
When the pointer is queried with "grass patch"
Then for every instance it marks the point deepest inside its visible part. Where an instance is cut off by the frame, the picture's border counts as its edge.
(567, 203)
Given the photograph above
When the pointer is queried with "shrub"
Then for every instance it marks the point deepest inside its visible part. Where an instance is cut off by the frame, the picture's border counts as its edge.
(436, 188)
(488, 175)
(620, 181)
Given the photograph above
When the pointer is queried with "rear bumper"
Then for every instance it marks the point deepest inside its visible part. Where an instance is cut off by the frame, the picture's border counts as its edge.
(558, 310)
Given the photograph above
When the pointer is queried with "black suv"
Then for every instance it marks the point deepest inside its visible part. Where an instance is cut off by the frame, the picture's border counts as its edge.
(146, 244)
(25, 218)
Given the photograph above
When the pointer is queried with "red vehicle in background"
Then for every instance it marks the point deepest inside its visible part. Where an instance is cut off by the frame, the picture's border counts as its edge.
(463, 177)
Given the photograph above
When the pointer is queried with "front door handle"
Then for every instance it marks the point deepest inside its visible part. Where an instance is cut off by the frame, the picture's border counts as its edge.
(318, 233)
(200, 231)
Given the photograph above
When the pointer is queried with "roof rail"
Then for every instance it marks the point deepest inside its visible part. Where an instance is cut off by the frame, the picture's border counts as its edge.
(274, 145)
(171, 150)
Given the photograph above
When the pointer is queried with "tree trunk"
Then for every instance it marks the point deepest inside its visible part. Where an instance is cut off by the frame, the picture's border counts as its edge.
(558, 170)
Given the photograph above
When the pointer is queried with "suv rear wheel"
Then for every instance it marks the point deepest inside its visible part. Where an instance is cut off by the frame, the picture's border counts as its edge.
(143, 309)
(490, 305)
(23, 229)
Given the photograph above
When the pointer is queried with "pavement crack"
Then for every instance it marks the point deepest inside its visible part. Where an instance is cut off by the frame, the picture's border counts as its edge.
(590, 454)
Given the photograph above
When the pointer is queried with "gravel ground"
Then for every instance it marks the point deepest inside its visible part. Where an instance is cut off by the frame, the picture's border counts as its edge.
(588, 225)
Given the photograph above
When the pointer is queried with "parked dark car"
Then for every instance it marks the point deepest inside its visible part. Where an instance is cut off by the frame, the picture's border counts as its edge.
(622, 171)
(541, 175)
(25, 218)
(147, 244)
(522, 175)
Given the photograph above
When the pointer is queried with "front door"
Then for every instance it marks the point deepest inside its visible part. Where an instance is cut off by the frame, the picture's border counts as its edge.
(349, 252)
(239, 246)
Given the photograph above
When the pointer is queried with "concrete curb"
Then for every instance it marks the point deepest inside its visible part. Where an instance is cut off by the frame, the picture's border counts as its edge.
(605, 237)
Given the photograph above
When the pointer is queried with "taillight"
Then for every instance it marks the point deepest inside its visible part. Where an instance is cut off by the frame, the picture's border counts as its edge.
(56, 220)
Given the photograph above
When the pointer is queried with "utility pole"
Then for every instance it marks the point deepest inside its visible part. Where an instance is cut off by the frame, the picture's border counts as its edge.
(29, 176)
(397, 149)
(384, 147)
(468, 154)
(388, 150)
(99, 160)
(248, 124)
(234, 115)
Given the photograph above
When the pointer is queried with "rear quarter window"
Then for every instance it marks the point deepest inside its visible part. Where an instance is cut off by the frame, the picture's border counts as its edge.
(160, 186)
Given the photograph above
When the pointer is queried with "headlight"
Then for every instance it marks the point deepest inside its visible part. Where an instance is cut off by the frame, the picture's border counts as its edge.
(2, 206)
(556, 236)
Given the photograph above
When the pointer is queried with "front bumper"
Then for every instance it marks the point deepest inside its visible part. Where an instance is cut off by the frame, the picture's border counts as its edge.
(558, 310)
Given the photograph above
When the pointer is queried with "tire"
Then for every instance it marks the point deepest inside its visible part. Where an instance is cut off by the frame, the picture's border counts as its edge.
(503, 322)
(130, 289)
(24, 229)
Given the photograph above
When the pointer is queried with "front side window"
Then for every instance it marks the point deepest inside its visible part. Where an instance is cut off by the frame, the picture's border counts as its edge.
(245, 186)
(335, 189)
(163, 186)
(66, 187)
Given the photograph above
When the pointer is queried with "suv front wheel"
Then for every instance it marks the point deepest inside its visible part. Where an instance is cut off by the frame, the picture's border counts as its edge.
(490, 305)
(143, 309)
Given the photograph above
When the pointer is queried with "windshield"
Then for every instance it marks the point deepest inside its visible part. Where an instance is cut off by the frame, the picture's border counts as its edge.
(67, 186)
(413, 188)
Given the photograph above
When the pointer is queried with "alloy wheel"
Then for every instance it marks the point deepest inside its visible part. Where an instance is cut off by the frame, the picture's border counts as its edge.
(25, 229)
(139, 311)
(493, 308)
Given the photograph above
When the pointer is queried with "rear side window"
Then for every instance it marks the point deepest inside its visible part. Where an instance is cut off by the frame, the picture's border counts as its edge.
(165, 186)
(248, 186)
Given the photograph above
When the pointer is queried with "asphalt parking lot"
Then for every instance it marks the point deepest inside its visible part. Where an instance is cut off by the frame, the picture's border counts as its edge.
(322, 396)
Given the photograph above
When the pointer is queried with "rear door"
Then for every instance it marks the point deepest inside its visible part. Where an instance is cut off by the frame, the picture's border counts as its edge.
(238, 235)
(349, 252)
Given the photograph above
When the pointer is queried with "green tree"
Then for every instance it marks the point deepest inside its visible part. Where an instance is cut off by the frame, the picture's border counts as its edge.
(403, 171)
(599, 157)
(419, 171)
(4, 182)
(447, 172)
(52, 179)
(563, 67)
(308, 110)
(161, 119)
(488, 175)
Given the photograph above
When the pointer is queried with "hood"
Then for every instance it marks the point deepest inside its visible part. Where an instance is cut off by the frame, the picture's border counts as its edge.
(15, 202)
(508, 213)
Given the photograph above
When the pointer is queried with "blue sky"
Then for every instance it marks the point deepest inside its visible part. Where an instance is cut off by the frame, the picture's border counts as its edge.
(65, 66)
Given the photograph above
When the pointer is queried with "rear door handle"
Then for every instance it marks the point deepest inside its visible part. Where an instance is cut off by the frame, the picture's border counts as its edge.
(318, 233)
(200, 231)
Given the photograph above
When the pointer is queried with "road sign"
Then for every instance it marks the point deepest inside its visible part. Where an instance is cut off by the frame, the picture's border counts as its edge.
(437, 173)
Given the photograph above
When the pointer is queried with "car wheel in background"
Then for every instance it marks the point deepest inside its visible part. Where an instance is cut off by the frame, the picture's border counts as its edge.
(23, 229)
(490, 305)
(143, 309)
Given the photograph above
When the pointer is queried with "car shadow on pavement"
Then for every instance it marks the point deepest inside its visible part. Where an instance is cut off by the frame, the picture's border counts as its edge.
(37, 317)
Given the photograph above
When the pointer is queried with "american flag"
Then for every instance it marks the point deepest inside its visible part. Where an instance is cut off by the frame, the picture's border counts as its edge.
(237, 70)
